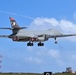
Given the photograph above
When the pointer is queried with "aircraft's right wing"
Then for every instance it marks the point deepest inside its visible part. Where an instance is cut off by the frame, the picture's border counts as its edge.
(4, 36)
(6, 28)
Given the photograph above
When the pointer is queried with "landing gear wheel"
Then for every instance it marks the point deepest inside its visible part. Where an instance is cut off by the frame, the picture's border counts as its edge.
(56, 42)
(29, 44)
(40, 44)
(32, 44)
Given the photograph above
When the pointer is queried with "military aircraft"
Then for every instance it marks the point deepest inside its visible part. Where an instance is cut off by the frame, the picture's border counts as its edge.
(31, 36)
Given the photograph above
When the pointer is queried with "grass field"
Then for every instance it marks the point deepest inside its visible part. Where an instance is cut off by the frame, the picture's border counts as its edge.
(34, 74)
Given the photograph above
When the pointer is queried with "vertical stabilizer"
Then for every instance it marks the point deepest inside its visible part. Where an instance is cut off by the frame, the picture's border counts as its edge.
(14, 25)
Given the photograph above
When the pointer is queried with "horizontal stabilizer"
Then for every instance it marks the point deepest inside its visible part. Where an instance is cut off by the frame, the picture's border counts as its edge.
(14, 28)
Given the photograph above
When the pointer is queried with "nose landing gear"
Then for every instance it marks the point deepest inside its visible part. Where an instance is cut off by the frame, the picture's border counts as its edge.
(55, 41)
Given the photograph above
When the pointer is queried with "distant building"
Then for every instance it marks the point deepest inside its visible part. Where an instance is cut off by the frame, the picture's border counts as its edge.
(69, 69)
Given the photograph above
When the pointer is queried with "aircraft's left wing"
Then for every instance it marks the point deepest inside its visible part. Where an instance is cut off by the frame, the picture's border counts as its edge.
(56, 36)
(63, 35)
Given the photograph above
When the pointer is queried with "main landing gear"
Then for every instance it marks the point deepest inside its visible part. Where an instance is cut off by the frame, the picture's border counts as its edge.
(31, 44)
(40, 44)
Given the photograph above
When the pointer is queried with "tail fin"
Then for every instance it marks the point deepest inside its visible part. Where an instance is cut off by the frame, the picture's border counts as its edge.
(14, 25)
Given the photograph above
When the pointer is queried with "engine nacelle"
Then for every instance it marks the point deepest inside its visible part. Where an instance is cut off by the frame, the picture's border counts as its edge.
(15, 38)
(43, 38)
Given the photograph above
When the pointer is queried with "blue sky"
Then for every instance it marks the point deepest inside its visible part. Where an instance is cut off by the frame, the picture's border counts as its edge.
(43, 14)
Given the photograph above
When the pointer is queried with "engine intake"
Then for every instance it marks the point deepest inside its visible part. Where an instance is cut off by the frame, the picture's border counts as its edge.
(15, 38)
(43, 38)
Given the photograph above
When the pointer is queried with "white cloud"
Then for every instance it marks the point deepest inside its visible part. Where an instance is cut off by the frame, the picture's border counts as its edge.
(29, 48)
(63, 25)
(43, 23)
(33, 60)
(74, 16)
(65, 58)
(54, 53)
(67, 26)
(46, 23)
(73, 57)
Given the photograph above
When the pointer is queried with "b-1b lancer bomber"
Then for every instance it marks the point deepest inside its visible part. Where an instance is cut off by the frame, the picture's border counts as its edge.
(31, 36)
